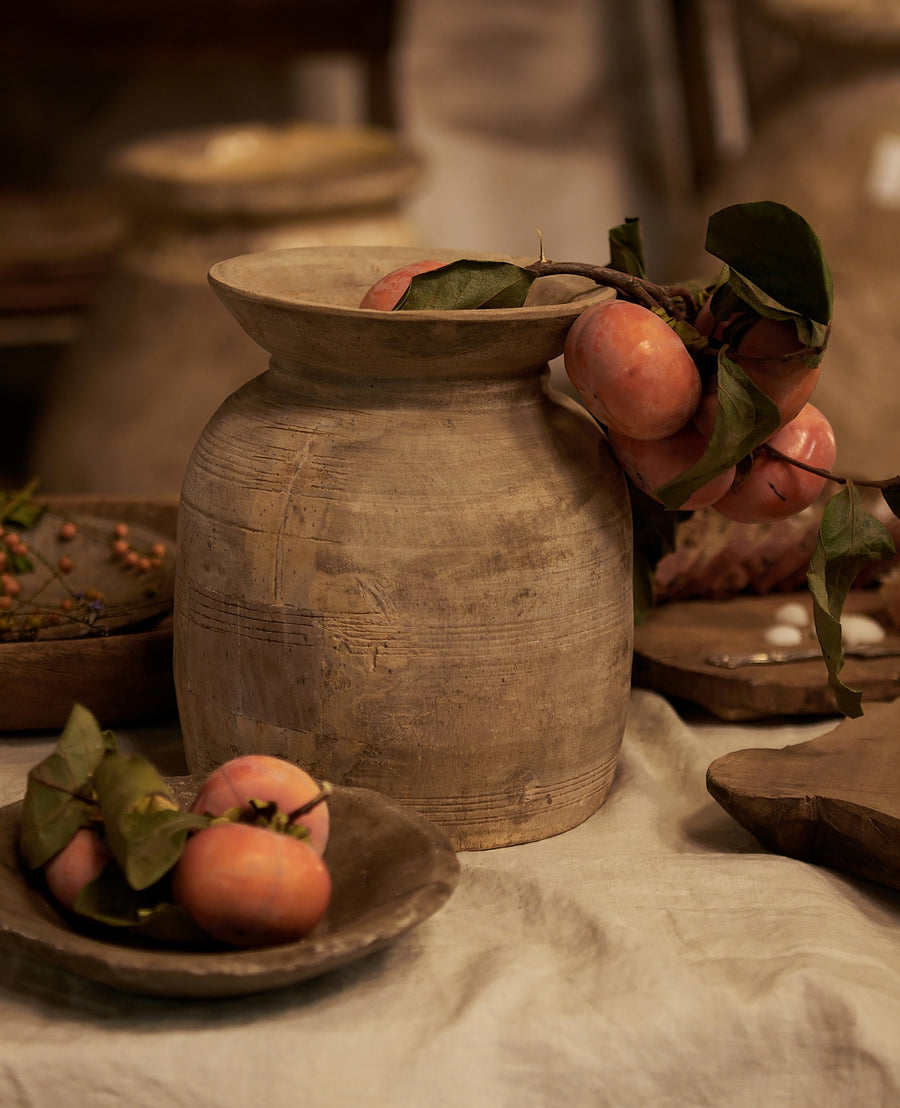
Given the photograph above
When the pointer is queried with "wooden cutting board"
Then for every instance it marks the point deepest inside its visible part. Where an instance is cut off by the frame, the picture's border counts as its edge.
(834, 800)
(672, 648)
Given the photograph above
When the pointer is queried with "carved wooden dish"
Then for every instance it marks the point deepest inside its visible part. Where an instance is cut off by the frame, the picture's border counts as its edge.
(673, 647)
(834, 800)
(391, 869)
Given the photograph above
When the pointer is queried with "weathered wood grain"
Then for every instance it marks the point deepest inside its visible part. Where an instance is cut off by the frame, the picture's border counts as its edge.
(671, 651)
(402, 562)
(834, 800)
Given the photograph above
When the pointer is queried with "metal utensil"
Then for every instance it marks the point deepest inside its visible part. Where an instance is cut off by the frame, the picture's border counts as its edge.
(799, 654)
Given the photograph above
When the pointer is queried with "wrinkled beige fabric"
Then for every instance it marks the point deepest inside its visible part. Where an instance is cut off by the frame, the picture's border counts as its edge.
(654, 956)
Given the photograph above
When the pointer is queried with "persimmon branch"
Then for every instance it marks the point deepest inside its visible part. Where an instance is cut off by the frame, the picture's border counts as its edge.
(838, 479)
(325, 790)
(646, 293)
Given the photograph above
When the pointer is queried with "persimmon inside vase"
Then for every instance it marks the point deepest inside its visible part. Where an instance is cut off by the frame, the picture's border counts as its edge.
(404, 560)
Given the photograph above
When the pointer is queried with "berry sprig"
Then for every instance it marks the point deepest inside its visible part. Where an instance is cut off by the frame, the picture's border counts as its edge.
(25, 609)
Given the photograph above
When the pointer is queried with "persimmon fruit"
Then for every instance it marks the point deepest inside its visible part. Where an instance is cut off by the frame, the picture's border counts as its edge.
(76, 865)
(653, 462)
(250, 886)
(767, 351)
(386, 291)
(774, 489)
(265, 778)
(631, 370)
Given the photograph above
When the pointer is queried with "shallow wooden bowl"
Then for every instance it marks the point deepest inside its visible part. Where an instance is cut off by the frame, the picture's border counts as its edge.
(123, 677)
(391, 869)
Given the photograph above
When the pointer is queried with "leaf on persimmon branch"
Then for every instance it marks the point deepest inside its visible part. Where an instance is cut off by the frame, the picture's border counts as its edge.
(626, 248)
(145, 829)
(849, 536)
(58, 794)
(466, 285)
(745, 417)
(773, 254)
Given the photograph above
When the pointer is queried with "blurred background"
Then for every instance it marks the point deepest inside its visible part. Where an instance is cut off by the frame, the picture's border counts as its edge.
(140, 144)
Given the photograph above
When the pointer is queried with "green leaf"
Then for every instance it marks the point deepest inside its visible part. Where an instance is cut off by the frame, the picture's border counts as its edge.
(745, 417)
(695, 343)
(58, 795)
(18, 507)
(110, 900)
(654, 528)
(849, 536)
(772, 250)
(20, 563)
(626, 248)
(155, 842)
(751, 302)
(466, 285)
(145, 830)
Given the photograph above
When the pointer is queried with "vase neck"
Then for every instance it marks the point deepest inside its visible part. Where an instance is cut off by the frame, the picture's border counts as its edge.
(376, 386)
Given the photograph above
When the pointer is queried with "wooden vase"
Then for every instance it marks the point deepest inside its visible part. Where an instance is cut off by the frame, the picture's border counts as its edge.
(404, 560)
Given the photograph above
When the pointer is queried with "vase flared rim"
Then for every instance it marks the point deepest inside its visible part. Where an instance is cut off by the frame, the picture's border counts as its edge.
(259, 277)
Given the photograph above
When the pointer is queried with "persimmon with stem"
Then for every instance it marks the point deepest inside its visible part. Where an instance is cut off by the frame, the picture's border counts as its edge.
(268, 780)
(631, 370)
(776, 488)
(250, 886)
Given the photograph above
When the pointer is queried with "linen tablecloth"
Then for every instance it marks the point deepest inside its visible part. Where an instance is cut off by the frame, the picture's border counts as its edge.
(656, 955)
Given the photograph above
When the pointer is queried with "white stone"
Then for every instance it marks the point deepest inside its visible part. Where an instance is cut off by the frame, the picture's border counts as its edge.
(783, 634)
(859, 630)
(794, 614)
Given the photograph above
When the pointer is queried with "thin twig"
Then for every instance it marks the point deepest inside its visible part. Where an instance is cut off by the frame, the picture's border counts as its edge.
(838, 479)
(646, 293)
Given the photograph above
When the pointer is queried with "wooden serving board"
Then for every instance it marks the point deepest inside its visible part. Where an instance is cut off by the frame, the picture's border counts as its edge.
(122, 678)
(672, 647)
(834, 800)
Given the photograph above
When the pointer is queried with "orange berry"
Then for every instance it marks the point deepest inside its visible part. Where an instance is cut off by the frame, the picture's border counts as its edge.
(68, 531)
(158, 549)
(120, 548)
(65, 564)
(120, 530)
(131, 558)
(10, 585)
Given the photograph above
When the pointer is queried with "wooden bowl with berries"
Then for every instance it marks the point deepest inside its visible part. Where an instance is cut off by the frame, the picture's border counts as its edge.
(86, 586)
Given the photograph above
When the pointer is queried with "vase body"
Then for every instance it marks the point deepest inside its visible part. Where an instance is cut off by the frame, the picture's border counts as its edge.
(404, 562)
(195, 198)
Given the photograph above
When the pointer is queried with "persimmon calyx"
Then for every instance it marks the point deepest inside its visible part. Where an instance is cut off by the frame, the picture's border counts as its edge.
(267, 814)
